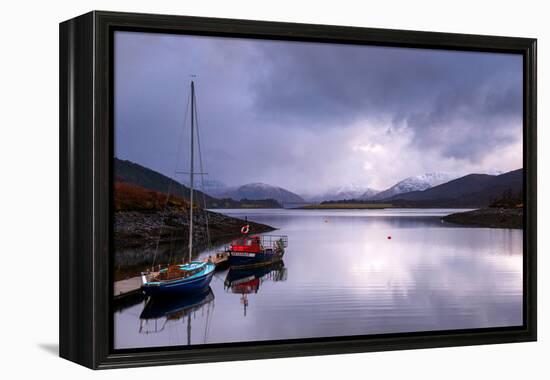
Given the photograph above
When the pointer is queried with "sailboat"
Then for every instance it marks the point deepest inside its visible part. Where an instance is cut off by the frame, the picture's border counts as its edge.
(190, 277)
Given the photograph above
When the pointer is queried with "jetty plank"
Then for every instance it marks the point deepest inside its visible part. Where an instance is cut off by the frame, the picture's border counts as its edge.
(127, 286)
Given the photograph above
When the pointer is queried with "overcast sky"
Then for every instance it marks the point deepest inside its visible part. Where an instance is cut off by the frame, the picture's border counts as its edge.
(312, 116)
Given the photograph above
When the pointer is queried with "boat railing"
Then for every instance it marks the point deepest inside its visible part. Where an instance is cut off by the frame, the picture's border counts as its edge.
(275, 242)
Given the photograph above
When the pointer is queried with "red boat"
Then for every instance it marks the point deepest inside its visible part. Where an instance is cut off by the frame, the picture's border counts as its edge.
(256, 250)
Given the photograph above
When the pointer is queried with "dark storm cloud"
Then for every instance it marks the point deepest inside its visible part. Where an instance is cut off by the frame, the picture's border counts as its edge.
(294, 114)
(427, 90)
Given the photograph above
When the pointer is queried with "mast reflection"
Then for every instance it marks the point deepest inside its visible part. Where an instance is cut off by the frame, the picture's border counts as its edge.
(160, 312)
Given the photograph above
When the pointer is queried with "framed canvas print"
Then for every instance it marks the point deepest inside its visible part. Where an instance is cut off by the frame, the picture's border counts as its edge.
(237, 189)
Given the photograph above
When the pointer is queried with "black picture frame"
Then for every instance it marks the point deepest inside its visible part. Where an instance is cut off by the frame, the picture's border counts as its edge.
(86, 146)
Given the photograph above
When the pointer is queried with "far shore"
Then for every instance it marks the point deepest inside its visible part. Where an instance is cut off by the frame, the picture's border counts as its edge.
(488, 217)
(346, 206)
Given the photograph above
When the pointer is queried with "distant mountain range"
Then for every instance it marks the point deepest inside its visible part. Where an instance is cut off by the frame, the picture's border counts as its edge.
(257, 191)
(472, 190)
(354, 192)
(342, 193)
(416, 183)
(427, 190)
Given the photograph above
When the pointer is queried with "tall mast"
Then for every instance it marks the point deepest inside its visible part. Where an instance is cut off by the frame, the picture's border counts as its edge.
(191, 174)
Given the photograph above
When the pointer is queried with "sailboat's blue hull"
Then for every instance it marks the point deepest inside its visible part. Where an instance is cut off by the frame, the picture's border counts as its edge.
(181, 286)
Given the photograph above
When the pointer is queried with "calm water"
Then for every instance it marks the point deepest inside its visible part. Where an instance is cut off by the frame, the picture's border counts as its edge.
(343, 276)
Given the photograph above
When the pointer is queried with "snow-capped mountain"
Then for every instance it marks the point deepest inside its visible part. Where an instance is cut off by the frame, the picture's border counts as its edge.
(369, 193)
(416, 183)
(493, 171)
(256, 191)
(341, 193)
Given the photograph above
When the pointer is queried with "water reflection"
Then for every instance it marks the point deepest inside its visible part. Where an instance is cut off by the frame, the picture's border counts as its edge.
(160, 312)
(348, 278)
(248, 281)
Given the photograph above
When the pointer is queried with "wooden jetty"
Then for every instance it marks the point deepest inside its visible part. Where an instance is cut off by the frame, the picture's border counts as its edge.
(132, 286)
(221, 260)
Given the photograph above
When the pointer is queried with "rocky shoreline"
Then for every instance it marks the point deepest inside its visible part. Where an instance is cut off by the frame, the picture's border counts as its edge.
(488, 217)
(141, 236)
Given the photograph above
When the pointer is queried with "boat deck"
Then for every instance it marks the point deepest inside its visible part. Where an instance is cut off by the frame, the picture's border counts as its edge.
(130, 286)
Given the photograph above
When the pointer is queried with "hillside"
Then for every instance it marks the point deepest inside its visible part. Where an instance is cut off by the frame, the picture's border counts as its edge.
(143, 217)
(473, 190)
(131, 173)
(258, 191)
(129, 197)
(410, 184)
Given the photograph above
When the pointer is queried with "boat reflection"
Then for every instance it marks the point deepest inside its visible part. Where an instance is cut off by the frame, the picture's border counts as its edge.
(248, 281)
(159, 312)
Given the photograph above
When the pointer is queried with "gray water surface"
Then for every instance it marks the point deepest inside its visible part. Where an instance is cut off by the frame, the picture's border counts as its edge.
(348, 272)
